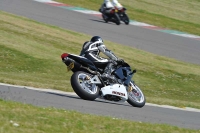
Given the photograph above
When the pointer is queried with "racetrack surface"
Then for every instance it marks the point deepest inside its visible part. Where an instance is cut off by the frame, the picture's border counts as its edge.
(164, 44)
(151, 114)
(184, 49)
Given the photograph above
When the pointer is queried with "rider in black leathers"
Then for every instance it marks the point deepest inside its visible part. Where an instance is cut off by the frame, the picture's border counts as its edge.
(91, 50)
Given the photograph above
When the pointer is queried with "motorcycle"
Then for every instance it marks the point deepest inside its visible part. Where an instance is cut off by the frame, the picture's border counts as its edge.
(115, 15)
(88, 84)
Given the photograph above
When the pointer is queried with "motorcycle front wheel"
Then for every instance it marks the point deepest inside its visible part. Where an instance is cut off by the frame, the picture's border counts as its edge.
(80, 82)
(136, 97)
(125, 19)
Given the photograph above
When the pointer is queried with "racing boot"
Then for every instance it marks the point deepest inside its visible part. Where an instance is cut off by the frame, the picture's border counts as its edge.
(107, 72)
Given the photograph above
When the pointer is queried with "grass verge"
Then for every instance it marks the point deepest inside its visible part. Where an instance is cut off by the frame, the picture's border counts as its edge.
(29, 119)
(181, 15)
(30, 55)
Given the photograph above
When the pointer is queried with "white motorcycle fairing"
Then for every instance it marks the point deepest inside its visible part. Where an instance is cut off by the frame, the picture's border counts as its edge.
(115, 90)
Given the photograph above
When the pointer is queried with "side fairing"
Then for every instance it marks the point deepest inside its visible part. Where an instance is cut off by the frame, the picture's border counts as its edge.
(116, 90)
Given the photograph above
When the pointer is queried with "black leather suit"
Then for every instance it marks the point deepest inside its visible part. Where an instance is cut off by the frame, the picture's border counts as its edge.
(91, 51)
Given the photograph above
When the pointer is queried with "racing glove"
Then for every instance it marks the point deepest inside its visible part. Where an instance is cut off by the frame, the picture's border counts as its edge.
(120, 61)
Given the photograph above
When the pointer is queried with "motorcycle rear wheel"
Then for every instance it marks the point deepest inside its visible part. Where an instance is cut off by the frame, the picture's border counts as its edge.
(104, 18)
(136, 97)
(83, 87)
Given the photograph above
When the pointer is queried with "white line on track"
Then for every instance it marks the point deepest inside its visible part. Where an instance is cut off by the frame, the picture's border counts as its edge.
(74, 94)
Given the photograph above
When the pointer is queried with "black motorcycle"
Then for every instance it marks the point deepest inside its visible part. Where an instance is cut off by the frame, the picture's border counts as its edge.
(87, 83)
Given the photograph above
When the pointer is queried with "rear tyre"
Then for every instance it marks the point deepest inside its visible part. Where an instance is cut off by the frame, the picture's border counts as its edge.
(136, 97)
(104, 18)
(83, 87)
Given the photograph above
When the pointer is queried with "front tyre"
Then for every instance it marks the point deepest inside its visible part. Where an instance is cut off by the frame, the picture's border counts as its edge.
(135, 97)
(125, 19)
(80, 82)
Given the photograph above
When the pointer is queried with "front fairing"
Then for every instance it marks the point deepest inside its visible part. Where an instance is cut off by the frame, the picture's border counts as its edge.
(124, 74)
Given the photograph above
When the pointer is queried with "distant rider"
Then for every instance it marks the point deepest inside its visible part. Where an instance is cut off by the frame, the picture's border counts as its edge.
(107, 5)
(91, 50)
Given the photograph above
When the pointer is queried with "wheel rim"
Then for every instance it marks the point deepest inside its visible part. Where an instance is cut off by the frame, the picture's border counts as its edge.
(85, 83)
(136, 94)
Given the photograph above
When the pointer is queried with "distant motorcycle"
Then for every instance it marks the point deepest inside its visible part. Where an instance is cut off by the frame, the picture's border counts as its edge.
(86, 81)
(115, 15)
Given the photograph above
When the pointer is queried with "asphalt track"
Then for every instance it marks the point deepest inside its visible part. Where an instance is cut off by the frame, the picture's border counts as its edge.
(180, 48)
(150, 114)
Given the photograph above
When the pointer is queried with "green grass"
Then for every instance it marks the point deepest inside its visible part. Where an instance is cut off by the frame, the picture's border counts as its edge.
(32, 119)
(30, 55)
(182, 15)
